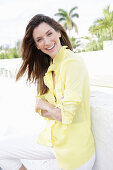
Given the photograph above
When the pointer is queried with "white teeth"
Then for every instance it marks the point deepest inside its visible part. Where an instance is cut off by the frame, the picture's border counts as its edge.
(50, 48)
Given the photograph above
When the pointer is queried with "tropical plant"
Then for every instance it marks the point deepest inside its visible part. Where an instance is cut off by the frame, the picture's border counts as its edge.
(103, 27)
(7, 53)
(66, 18)
(75, 43)
(94, 45)
(101, 30)
(91, 44)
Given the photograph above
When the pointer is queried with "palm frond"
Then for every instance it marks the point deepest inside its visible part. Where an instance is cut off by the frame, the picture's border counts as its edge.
(60, 14)
(61, 19)
(75, 15)
(62, 11)
(65, 25)
(107, 12)
(71, 11)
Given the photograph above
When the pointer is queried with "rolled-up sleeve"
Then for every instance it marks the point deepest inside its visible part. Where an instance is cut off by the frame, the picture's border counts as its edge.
(39, 96)
(73, 75)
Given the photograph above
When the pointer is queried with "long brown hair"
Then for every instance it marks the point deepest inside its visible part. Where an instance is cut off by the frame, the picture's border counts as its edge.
(35, 62)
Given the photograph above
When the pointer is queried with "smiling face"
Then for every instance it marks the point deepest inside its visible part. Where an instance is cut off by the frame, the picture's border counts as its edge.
(47, 39)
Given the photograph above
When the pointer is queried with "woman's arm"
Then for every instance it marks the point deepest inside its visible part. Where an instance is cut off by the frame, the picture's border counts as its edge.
(48, 110)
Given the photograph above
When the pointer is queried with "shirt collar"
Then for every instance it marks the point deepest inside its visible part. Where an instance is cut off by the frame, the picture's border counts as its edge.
(60, 55)
(54, 63)
(56, 60)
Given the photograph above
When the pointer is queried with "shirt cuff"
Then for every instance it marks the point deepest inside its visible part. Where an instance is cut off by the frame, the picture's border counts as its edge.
(38, 110)
(67, 116)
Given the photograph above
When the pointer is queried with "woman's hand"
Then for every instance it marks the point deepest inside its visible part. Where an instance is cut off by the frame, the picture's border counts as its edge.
(48, 110)
(46, 114)
(41, 104)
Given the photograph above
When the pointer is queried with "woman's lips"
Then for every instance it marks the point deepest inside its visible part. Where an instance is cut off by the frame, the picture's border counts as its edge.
(50, 48)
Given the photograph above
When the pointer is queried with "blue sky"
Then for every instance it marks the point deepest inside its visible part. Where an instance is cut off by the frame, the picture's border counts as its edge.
(15, 14)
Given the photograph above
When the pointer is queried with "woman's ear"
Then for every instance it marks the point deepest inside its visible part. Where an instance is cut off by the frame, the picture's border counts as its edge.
(59, 34)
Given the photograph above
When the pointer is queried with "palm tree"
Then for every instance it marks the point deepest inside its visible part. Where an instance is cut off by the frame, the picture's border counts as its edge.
(67, 18)
(103, 27)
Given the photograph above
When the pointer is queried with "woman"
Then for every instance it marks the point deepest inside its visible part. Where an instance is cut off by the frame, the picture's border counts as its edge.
(63, 99)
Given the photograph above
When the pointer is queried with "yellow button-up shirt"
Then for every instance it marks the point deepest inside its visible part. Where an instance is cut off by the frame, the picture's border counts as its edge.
(72, 139)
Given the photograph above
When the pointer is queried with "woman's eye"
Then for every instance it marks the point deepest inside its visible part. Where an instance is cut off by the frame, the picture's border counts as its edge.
(38, 40)
(49, 33)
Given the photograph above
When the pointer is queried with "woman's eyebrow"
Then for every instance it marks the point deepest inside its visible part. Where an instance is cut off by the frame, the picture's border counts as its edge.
(48, 31)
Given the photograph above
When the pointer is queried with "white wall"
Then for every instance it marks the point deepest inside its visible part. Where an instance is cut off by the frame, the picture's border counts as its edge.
(99, 64)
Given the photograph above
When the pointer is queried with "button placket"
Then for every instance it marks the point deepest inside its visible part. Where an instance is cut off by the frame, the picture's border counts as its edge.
(53, 138)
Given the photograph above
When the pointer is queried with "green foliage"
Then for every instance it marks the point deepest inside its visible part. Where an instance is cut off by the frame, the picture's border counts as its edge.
(103, 27)
(101, 30)
(93, 45)
(75, 43)
(7, 53)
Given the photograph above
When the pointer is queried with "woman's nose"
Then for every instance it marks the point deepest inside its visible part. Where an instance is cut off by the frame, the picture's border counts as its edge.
(46, 41)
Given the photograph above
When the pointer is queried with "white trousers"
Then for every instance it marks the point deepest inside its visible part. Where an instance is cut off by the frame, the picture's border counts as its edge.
(15, 148)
